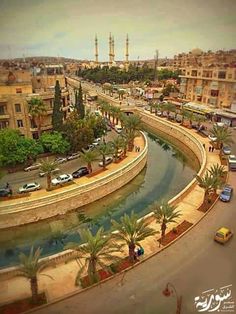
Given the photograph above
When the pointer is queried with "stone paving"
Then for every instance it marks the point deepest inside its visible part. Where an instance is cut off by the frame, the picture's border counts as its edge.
(64, 274)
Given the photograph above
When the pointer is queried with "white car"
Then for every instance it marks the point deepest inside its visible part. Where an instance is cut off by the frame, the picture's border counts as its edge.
(60, 160)
(232, 159)
(43, 174)
(108, 160)
(29, 187)
(212, 138)
(118, 128)
(73, 156)
(33, 167)
(219, 124)
(62, 179)
(98, 140)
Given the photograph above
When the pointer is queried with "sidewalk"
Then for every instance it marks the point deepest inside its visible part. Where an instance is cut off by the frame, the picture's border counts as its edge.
(64, 274)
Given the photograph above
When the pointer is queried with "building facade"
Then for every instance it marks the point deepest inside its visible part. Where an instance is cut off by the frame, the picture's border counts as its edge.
(16, 90)
(212, 86)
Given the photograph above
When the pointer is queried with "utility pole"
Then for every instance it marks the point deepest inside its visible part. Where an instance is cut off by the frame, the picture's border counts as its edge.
(156, 66)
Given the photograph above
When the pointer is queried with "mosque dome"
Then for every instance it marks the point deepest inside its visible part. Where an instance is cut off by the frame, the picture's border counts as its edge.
(196, 51)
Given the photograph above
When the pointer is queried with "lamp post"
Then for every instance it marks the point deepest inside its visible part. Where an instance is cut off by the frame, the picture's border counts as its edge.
(170, 289)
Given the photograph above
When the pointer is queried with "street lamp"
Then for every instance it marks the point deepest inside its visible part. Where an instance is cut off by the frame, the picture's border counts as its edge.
(170, 289)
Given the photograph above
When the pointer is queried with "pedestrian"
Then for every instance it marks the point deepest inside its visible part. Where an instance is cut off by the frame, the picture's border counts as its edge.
(212, 149)
(7, 185)
(138, 148)
(209, 149)
(204, 145)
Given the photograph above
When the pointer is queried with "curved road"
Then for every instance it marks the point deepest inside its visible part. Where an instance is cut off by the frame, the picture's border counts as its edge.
(195, 263)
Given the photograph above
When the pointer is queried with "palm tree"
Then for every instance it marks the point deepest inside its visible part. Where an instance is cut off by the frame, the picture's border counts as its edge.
(217, 171)
(191, 117)
(89, 156)
(121, 93)
(184, 114)
(131, 231)
(48, 167)
(164, 215)
(169, 108)
(209, 183)
(223, 136)
(117, 143)
(30, 268)
(96, 251)
(199, 119)
(132, 125)
(104, 150)
(37, 109)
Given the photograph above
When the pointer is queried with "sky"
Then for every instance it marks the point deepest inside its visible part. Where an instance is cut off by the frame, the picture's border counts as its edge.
(67, 28)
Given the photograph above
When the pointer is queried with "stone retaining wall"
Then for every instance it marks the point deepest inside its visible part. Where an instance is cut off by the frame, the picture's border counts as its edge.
(75, 196)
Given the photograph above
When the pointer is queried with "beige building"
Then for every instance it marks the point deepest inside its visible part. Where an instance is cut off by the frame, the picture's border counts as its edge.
(212, 86)
(18, 87)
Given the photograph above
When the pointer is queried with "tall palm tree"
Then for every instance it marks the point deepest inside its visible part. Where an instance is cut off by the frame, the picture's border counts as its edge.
(199, 119)
(169, 108)
(37, 109)
(104, 150)
(191, 117)
(117, 143)
(132, 125)
(223, 136)
(30, 267)
(131, 231)
(48, 167)
(217, 171)
(209, 183)
(89, 156)
(184, 114)
(97, 251)
(164, 215)
(117, 112)
(121, 93)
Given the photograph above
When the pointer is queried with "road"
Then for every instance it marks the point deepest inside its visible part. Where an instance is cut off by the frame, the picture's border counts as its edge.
(195, 263)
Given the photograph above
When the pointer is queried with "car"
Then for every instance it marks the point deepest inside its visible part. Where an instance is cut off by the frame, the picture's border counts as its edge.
(60, 160)
(226, 194)
(119, 154)
(108, 160)
(63, 178)
(219, 124)
(29, 187)
(226, 150)
(98, 140)
(33, 167)
(43, 174)
(223, 235)
(232, 159)
(118, 128)
(5, 192)
(73, 156)
(212, 138)
(80, 172)
(95, 144)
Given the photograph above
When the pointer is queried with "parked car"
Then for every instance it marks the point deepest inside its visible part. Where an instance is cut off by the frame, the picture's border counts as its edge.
(60, 160)
(5, 192)
(95, 144)
(33, 167)
(118, 128)
(108, 160)
(223, 235)
(219, 124)
(232, 162)
(63, 178)
(43, 174)
(226, 194)
(98, 140)
(212, 138)
(30, 187)
(80, 172)
(119, 154)
(226, 150)
(73, 156)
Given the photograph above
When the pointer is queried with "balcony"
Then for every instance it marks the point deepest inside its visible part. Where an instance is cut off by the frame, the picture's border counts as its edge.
(43, 128)
(4, 116)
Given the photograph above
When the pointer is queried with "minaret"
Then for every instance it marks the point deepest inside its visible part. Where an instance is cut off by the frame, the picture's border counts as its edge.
(127, 53)
(96, 49)
(113, 49)
(110, 49)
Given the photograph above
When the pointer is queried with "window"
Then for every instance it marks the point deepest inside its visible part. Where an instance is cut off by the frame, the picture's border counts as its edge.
(17, 108)
(2, 111)
(18, 90)
(222, 75)
(230, 76)
(20, 123)
(214, 93)
(3, 124)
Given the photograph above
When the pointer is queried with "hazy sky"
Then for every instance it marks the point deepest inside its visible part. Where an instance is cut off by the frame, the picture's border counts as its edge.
(67, 28)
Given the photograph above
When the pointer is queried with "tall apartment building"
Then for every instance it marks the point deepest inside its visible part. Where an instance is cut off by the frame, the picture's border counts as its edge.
(18, 87)
(212, 86)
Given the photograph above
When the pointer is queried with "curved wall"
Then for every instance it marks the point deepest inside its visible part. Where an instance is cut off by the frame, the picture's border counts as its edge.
(74, 197)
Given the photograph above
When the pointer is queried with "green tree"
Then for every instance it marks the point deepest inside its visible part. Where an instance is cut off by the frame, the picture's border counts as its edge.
(209, 183)
(57, 114)
(131, 231)
(47, 167)
(89, 156)
(37, 109)
(55, 143)
(223, 136)
(217, 171)
(117, 144)
(164, 215)
(97, 251)
(132, 124)
(80, 104)
(15, 148)
(30, 268)
(105, 149)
